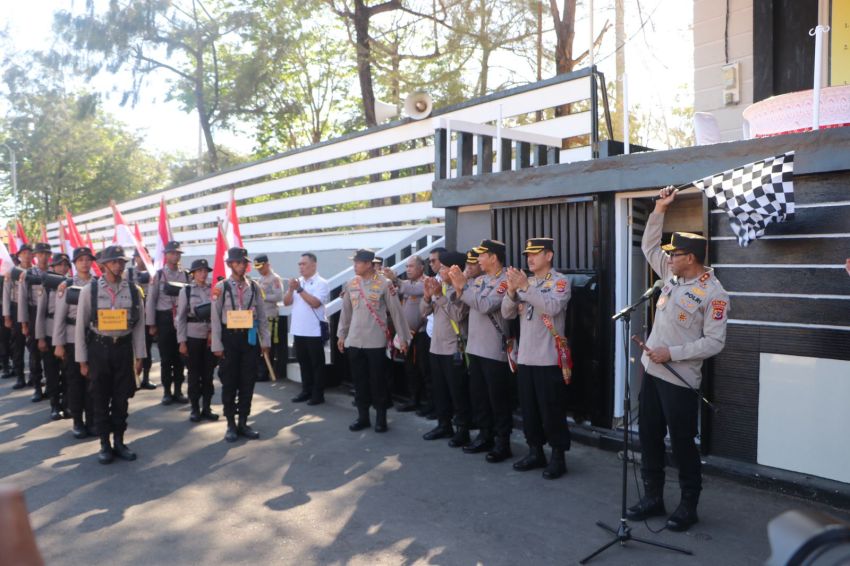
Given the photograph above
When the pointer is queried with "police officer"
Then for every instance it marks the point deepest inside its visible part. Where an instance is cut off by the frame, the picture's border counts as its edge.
(6, 370)
(80, 400)
(194, 324)
(472, 269)
(690, 326)
(449, 380)
(240, 331)
(108, 336)
(272, 287)
(416, 362)
(492, 386)
(161, 309)
(60, 264)
(27, 312)
(138, 274)
(363, 331)
(540, 302)
(11, 304)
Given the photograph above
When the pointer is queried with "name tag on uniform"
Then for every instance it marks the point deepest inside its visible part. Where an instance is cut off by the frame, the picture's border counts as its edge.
(112, 319)
(240, 320)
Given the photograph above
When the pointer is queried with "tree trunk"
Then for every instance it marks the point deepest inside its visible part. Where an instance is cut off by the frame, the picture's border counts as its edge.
(565, 32)
(364, 60)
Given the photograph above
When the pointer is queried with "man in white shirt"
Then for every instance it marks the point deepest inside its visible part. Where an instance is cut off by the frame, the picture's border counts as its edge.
(308, 295)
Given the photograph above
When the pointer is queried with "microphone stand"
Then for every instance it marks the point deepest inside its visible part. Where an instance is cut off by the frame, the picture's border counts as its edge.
(623, 533)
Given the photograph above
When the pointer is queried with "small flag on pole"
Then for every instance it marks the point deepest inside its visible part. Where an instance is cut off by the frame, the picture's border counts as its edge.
(754, 195)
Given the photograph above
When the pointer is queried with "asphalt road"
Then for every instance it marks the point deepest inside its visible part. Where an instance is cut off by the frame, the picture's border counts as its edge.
(311, 492)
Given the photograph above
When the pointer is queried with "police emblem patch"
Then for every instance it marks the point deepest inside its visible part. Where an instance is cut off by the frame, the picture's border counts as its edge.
(683, 317)
(503, 286)
(561, 286)
(718, 308)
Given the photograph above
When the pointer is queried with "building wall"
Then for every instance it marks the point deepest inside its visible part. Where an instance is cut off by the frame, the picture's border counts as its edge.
(709, 58)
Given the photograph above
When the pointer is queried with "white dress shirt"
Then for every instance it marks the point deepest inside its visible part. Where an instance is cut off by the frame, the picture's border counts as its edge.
(304, 319)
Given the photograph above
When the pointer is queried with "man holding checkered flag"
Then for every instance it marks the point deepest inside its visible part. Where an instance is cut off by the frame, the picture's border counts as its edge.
(754, 195)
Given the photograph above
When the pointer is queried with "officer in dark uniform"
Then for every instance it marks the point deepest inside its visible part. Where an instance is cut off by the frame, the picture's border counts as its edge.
(240, 330)
(160, 310)
(138, 274)
(80, 401)
(26, 316)
(540, 303)
(194, 324)
(60, 264)
(109, 335)
(689, 327)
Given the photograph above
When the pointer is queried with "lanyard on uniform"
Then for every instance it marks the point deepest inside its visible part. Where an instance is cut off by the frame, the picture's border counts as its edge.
(113, 296)
(453, 323)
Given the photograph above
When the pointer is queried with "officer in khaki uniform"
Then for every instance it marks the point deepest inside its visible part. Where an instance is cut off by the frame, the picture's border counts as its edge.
(689, 327)
(492, 386)
(363, 331)
(28, 307)
(450, 383)
(272, 287)
(240, 332)
(80, 401)
(108, 336)
(540, 303)
(161, 309)
(472, 269)
(194, 326)
(138, 273)
(60, 264)
(11, 306)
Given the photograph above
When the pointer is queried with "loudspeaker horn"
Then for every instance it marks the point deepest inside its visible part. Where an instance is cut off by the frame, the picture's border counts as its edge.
(384, 111)
(418, 105)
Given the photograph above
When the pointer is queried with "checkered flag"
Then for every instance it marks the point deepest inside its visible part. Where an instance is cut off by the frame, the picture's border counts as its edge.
(754, 195)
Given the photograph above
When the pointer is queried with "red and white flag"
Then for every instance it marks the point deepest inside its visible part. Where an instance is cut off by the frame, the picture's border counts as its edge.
(65, 245)
(20, 235)
(44, 237)
(231, 223)
(75, 239)
(138, 233)
(219, 265)
(125, 237)
(163, 236)
(13, 243)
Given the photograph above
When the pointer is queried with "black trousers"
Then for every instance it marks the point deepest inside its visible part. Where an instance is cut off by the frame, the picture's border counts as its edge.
(493, 394)
(450, 384)
(148, 361)
(19, 342)
(171, 364)
(238, 372)
(663, 407)
(370, 372)
(5, 347)
(36, 367)
(310, 353)
(80, 399)
(113, 382)
(54, 375)
(416, 366)
(543, 401)
(201, 365)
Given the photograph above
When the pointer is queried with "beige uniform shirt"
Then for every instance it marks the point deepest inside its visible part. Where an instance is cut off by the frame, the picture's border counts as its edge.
(11, 293)
(411, 297)
(65, 316)
(157, 300)
(357, 325)
(273, 289)
(186, 323)
(29, 295)
(549, 296)
(484, 296)
(690, 315)
(105, 301)
(444, 335)
(241, 297)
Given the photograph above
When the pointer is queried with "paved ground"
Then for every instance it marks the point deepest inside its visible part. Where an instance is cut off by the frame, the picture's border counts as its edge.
(311, 492)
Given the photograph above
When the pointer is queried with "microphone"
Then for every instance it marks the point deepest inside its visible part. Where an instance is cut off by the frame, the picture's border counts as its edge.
(648, 294)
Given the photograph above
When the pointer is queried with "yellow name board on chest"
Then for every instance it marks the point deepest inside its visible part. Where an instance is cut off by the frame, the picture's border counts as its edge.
(112, 319)
(240, 320)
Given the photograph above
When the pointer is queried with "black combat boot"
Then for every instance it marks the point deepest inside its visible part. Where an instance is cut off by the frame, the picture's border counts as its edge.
(501, 451)
(685, 515)
(460, 438)
(105, 455)
(442, 430)
(38, 394)
(362, 421)
(557, 466)
(207, 413)
(381, 420)
(55, 411)
(535, 458)
(79, 430)
(121, 450)
(482, 443)
(195, 414)
(20, 384)
(146, 380)
(7, 372)
(232, 435)
(167, 398)
(178, 394)
(245, 430)
(651, 504)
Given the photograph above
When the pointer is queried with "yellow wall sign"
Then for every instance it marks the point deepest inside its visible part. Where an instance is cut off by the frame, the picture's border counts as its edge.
(111, 319)
(839, 52)
(240, 320)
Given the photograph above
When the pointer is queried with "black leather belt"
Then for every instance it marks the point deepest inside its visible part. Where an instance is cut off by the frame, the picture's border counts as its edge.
(111, 340)
(70, 321)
